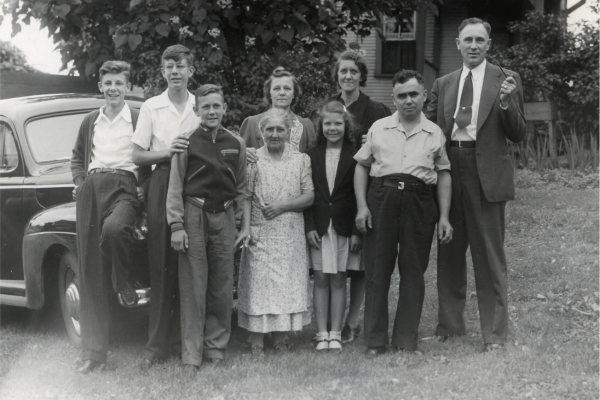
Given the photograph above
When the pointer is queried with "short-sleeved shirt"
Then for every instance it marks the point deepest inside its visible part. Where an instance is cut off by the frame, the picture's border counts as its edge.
(391, 150)
(111, 143)
(159, 122)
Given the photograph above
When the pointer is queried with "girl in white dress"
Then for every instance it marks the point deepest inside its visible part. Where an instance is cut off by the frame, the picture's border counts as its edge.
(331, 233)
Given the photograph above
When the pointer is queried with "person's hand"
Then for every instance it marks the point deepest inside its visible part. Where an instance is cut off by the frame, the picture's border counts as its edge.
(274, 210)
(74, 194)
(363, 139)
(179, 240)
(509, 86)
(140, 195)
(355, 243)
(251, 156)
(313, 239)
(179, 144)
(243, 235)
(444, 231)
(364, 220)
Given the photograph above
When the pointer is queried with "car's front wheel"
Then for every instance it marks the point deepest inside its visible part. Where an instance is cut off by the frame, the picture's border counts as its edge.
(68, 286)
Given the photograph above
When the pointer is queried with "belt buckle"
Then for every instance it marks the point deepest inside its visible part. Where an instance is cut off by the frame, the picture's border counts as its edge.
(460, 144)
(400, 185)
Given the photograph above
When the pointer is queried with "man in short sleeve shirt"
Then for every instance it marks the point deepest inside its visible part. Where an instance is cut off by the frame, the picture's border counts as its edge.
(406, 159)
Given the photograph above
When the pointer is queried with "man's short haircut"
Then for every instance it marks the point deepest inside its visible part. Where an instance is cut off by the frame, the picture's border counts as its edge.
(281, 72)
(115, 67)
(474, 21)
(207, 89)
(405, 75)
(178, 52)
(275, 113)
(359, 60)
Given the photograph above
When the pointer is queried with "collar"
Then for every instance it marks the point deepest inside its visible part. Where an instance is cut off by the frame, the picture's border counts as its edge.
(162, 100)
(477, 72)
(425, 125)
(125, 114)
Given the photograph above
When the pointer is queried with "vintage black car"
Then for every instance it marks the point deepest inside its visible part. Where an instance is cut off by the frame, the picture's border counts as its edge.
(38, 265)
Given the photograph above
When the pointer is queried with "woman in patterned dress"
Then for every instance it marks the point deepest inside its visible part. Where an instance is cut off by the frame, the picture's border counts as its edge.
(273, 282)
(282, 91)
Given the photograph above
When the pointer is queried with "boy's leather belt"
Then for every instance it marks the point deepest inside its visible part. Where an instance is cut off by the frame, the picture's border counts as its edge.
(111, 171)
(401, 185)
(465, 144)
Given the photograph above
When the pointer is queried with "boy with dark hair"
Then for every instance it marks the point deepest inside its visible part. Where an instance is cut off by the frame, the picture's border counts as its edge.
(206, 192)
(108, 198)
(165, 122)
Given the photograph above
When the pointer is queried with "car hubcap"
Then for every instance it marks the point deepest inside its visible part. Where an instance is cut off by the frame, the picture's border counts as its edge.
(72, 297)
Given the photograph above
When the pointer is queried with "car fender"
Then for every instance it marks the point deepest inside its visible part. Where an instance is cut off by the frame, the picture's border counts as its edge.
(47, 235)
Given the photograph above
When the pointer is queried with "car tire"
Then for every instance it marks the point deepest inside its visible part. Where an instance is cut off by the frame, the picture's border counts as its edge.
(68, 291)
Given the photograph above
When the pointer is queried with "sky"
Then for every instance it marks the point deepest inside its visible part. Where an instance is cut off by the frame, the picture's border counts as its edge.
(39, 48)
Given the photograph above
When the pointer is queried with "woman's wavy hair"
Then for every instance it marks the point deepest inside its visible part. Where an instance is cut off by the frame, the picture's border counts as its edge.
(275, 113)
(280, 72)
(359, 60)
(335, 107)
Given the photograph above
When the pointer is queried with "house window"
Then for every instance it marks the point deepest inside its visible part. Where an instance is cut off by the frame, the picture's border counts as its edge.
(399, 50)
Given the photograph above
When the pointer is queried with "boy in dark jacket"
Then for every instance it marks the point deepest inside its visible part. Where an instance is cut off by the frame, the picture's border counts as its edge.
(206, 191)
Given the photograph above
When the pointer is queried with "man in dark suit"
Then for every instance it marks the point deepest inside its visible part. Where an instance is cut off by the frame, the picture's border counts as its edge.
(478, 107)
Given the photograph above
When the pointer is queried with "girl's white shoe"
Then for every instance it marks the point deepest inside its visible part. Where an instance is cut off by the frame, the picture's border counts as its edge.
(335, 342)
(322, 339)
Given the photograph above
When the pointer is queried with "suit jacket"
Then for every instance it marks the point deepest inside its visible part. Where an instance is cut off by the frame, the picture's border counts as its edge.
(340, 205)
(251, 134)
(494, 126)
(365, 111)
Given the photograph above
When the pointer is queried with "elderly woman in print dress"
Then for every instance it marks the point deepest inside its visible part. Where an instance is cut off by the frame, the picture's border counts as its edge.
(282, 91)
(273, 282)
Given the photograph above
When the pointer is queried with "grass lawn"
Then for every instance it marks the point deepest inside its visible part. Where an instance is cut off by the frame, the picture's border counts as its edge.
(552, 249)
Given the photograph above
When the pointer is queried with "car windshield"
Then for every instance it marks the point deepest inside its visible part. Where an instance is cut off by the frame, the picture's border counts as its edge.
(52, 138)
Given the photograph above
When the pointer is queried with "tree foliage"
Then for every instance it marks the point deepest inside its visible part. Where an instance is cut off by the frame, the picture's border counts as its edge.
(562, 62)
(237, 43)
(13, 59)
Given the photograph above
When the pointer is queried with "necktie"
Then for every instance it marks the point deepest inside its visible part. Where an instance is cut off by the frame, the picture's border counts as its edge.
(465, 111)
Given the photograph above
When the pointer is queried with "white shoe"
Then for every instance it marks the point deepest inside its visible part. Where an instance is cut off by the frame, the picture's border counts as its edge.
(322, 339)
(335, 342)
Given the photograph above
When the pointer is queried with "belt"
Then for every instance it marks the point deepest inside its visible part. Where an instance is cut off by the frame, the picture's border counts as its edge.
(163, 165)
(401, 185)
(111, 171)
(466, 144)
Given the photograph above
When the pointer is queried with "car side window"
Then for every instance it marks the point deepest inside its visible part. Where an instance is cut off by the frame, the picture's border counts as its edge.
(9, 155)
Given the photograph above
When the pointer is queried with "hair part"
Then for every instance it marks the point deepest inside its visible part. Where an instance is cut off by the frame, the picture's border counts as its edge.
(359, 60)
(405, 75)
(335, 107)
(474, 21)
(207, 89)
(178, 52)
(115, 67)
(281, 72)
(275, 114)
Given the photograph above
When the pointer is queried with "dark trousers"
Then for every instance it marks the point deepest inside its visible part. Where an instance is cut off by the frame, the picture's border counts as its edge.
(106, 212)
(164, 331)
(403, 228)
(206, 284)
(479, 224)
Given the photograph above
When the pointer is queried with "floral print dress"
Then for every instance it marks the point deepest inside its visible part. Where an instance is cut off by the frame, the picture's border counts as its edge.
(273, 285)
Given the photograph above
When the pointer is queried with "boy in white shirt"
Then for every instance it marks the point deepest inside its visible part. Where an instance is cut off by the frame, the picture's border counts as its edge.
(164, 126)
(108, 196)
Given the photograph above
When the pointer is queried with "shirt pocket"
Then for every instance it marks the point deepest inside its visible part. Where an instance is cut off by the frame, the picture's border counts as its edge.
(420, 159)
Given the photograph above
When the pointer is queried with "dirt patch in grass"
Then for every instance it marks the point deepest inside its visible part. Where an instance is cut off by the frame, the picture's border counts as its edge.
(552, 250)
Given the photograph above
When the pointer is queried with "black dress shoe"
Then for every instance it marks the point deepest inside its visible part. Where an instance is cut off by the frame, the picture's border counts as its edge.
(373, 352)
(128, 296)
(349, 334)
(397, 349)
(440, 338)
(89, 366)
(492, 347)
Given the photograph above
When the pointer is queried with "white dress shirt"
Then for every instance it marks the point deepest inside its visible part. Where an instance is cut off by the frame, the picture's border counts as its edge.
(111, 144)
(469, 132)
(159, 122)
